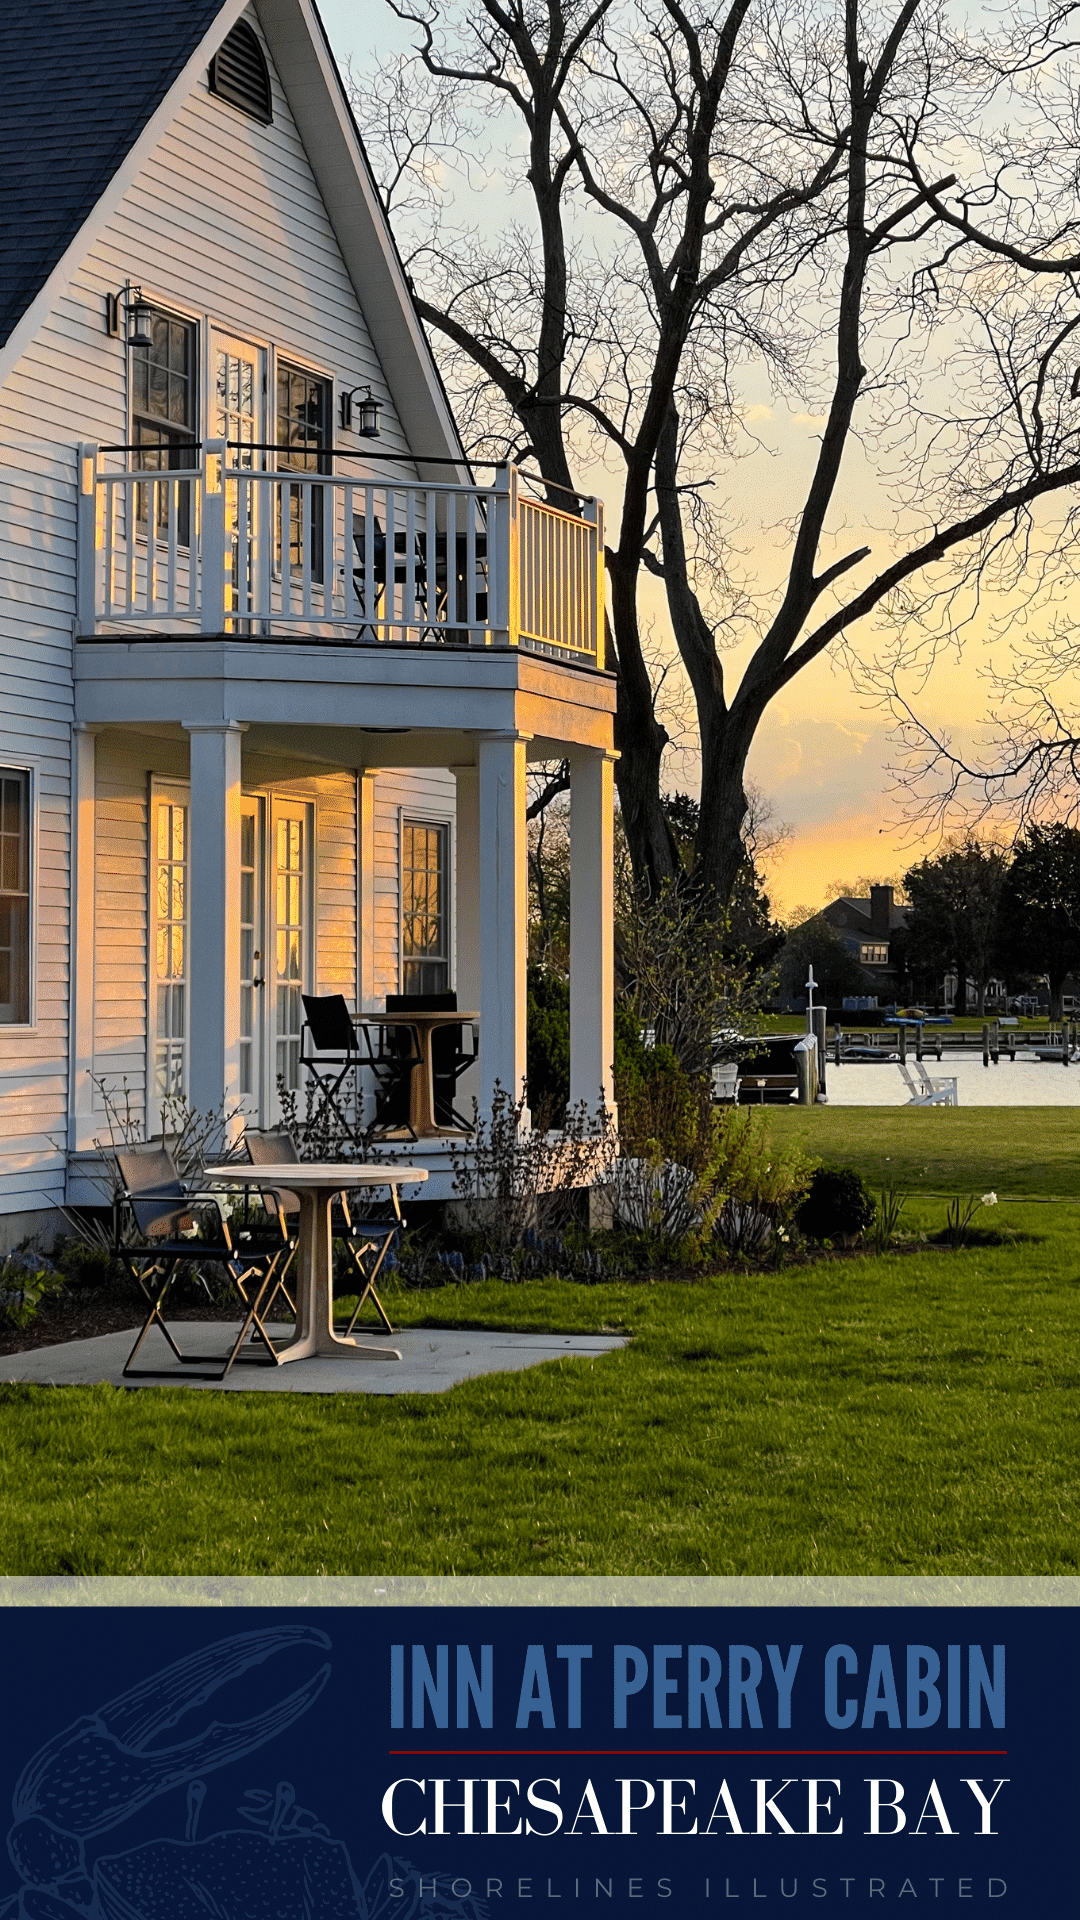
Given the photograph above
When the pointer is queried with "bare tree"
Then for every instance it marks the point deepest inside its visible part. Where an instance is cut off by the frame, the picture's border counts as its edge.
(827, 188)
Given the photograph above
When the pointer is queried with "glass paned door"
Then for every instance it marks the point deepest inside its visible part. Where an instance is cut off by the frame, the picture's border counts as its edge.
(275, 948)
(168, 996)
(252, 957)
(291, 881)
(239, 402)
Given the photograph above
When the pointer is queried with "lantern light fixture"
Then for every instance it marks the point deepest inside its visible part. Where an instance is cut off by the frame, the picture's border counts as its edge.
(367, 411)
(128, 306)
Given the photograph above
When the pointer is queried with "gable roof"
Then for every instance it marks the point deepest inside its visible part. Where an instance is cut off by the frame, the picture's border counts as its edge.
(90, 87)
(80, 83)
(897, 914)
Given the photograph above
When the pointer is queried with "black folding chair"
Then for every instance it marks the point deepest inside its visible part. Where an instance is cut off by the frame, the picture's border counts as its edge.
(367, 1238)
(450, 1056)
(272, 1149)
(439, 598)
(392, 1054)
(154, 1235)
(331, 1050)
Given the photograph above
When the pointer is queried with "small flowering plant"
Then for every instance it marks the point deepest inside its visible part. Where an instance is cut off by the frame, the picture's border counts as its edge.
(960, 1215)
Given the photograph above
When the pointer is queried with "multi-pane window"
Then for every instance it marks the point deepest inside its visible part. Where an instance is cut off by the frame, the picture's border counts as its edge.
(303, 438)
(425, 919)
(290, 884)
(170, 947)
(14, 897)
(874, 955)
(163, 417)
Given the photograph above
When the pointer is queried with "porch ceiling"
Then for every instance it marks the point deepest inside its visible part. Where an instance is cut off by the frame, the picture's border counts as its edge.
(433, 701)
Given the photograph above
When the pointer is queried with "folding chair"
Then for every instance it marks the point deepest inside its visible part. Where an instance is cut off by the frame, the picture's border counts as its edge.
(160, 1210)
(450, 1057)
(330, 1050)
(272, 1149)
(361, 1235)
(392, 1054)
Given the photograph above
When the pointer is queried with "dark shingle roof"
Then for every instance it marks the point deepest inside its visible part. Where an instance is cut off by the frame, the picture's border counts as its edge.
(80, 80)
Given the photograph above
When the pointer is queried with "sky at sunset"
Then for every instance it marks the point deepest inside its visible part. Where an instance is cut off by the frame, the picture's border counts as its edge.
(823, 753)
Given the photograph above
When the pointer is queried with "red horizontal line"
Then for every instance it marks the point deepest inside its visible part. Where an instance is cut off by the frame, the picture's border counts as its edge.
(697, 1753)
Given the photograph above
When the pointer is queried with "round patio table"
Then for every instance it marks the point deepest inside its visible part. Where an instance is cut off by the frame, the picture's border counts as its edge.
(423, 1021)
(315, 1182)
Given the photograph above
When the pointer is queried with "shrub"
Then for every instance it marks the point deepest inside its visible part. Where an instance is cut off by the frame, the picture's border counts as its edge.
(25, 1280)
(548, 1042)
(837, 1206)
(730, 1185)
(548, 1048)
(84, 1262)
(516, 1185)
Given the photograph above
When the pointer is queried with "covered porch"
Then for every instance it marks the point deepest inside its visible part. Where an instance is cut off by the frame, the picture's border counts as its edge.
(253, 756)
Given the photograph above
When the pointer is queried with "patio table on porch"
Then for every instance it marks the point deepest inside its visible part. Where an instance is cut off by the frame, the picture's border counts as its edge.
(423, 1021)
(315, 1182)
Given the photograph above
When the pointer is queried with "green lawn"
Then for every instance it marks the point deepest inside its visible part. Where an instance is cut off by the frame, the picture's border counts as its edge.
(1023, 1151)
(915, 1412)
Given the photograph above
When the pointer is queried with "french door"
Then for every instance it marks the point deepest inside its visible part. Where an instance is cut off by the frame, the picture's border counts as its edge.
(168, 1023)
(275, 947)
(239, 418)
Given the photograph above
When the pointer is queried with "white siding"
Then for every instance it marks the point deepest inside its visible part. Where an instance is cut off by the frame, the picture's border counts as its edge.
(126, 763)
(225, 222)
(33, 1059)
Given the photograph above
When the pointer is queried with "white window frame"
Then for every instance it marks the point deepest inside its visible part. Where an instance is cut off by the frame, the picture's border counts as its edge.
(426, 817)
(176, 311)
(24, 763)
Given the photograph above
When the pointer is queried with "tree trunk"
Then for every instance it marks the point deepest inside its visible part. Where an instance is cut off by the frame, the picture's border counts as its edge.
(640, 740)
(720, 851)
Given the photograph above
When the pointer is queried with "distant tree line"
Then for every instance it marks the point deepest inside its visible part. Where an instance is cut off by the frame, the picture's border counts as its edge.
(976, 910)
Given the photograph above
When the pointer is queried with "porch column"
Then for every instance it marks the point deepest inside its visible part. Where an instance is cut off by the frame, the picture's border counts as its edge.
(592, 929)
(213, 957)
(467, 889)
(503, 916)
(83, 834)
(466, 899)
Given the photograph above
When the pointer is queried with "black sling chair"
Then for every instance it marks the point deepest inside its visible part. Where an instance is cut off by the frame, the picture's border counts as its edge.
(152, 1221)
(449, 1056)
(437, 599)
(367, 1238)
(330, 1049)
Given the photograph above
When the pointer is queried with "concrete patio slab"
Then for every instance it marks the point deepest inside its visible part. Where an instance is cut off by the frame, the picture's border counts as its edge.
(432, 1360)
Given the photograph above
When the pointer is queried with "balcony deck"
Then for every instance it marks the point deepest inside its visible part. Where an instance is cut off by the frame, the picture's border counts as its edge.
(248, 552)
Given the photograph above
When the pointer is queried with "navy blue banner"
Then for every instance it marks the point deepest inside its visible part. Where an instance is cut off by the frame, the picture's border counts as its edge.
(353, 1764)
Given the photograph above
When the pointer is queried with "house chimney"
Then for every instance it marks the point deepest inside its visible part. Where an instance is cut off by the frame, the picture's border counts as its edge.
(880, 912)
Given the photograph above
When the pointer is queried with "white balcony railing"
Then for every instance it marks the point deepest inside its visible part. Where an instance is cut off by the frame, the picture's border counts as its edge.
(223, 548)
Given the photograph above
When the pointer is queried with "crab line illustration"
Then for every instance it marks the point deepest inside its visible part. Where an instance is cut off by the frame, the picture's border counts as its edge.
(282, 1865)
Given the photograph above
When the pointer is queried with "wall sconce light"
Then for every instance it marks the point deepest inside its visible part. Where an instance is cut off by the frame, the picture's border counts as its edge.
(130, 305)
(367, 412)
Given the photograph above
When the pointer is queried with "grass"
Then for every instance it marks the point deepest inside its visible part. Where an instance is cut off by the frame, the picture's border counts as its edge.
(913, 1412)
(1025, 1152)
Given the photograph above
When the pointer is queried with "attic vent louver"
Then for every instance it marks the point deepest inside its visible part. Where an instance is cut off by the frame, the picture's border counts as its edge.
(239, 75)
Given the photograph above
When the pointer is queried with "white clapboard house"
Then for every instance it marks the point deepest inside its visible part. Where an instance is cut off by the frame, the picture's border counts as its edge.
(269, 681)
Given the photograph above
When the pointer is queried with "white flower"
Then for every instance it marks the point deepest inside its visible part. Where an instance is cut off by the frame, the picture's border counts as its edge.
(989, 1199)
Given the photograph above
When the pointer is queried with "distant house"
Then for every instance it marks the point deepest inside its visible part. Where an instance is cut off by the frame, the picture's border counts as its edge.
(273, 658)
(868, 929)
